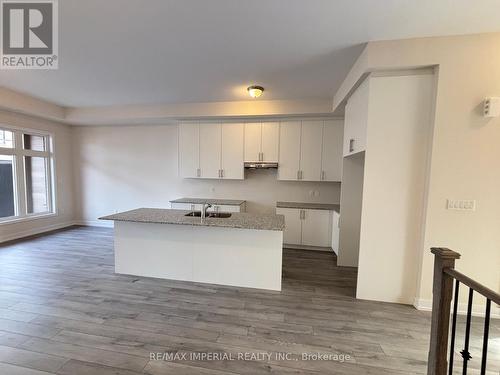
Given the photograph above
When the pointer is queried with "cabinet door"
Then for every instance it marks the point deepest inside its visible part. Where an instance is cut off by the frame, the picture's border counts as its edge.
(331, 159)
(210, 150)
(316, 228)
(310, 150)
(226, 208)
(232, 151)
(289, 154)
(335, 232)
(181, 206)
(186, 206)
(270, 141)
(356, 120)
(253, 140)
(189, 150)
(292, 235)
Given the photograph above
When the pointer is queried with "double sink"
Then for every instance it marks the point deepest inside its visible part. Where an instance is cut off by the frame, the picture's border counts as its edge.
(220, 215)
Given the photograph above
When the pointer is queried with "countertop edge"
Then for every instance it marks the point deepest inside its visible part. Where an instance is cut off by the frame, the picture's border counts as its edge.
(311, 206)
(237, 223)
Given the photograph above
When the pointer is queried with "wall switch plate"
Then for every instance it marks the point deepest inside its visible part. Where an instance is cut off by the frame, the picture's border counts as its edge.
(491, 107)
(461, 205)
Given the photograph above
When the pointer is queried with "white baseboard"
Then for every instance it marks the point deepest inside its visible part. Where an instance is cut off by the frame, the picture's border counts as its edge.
(477, 310)
(95, 223)
(34, 231)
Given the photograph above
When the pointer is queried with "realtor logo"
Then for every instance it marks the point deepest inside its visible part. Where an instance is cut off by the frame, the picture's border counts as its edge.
(29, 34)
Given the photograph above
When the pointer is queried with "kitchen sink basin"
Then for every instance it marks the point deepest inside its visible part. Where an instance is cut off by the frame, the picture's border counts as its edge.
(220, 215)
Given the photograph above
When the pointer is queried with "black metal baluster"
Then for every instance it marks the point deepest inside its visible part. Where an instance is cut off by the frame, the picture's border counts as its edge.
(485, 336)
(453, 327)
(465, 353)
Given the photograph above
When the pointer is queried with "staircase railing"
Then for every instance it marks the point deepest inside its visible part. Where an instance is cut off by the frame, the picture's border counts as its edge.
(445, 276)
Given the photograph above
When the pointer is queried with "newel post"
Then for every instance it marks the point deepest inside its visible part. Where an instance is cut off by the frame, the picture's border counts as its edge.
(442, 291)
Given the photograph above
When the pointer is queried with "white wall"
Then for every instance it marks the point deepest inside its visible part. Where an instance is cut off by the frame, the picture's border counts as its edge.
(465, 149)
(351, 200)
(63, 172)
(398, 134)
(124, 167)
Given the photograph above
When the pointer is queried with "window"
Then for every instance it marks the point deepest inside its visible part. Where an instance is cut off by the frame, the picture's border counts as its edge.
(25, 174)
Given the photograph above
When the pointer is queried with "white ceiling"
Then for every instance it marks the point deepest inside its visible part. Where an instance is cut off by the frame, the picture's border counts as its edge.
(118, 52)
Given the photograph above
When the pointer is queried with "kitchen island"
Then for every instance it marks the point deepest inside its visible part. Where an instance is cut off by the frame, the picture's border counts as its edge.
(241, 250)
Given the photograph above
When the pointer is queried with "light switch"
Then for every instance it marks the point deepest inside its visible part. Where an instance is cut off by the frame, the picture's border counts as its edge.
(461, 205)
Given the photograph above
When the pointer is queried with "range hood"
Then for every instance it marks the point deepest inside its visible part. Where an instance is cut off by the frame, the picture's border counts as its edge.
(260, 165)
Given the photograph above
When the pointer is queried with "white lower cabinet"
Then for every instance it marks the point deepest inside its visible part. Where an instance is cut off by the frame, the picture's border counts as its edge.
(307, 227)
(335, 232)
(185, 206)
(317, 228)
(198, 207)
(293, 225)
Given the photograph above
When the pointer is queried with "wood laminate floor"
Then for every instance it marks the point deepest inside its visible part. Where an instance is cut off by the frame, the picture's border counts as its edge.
(64, 311)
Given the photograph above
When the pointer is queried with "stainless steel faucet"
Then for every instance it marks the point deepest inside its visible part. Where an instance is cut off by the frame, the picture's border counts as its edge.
(204, 209)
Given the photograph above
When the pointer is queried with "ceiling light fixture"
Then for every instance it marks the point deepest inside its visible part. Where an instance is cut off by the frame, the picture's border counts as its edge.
(255, 91)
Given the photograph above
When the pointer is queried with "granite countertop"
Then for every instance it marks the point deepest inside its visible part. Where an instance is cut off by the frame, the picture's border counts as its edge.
(227, 202)
(311, 206)
(242, 220)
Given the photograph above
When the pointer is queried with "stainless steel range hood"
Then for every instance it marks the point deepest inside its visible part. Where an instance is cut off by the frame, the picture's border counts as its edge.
(260, 165)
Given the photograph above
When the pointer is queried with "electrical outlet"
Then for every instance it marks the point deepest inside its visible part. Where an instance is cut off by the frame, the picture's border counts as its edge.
(461, 205)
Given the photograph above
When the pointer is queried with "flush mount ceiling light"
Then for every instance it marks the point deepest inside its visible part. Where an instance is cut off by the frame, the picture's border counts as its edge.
(255, 91)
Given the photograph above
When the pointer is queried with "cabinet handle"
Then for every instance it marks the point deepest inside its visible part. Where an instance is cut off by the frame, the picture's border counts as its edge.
(301, 175)
(351, 145)
(198, 172)
(222, 173)
(323, 175)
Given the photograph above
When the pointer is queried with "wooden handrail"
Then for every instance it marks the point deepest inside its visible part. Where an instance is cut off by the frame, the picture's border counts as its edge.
(481, 289)
(442, 290)
(444, 277)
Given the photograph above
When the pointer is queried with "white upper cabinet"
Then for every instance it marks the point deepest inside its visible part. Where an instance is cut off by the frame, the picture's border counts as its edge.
(232, 151)
(261, 141)
(189, 160)
(270, 141)
(304, 150)
(253, 141)
(331, 159)
(210, 150)
(289, 154)
(356, 120)
(310, 150)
